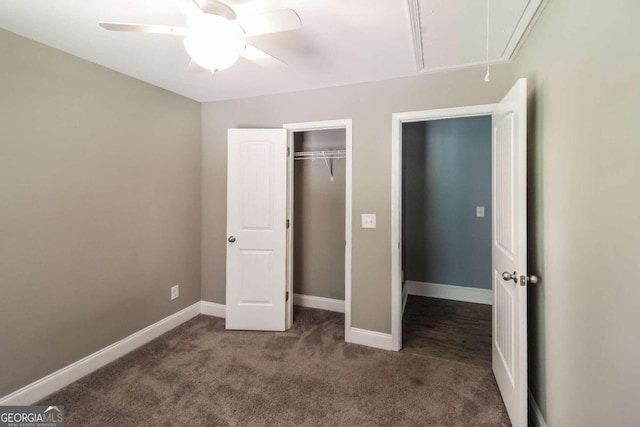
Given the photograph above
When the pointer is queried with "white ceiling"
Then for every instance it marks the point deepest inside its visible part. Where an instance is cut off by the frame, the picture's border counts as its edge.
(341, 41)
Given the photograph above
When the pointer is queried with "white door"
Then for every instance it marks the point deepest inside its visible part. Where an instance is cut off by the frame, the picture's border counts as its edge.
(510, 251)
(256, 229)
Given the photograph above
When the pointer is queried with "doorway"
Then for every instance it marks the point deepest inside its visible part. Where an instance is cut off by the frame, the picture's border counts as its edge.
(446, 238)
(399, 293)
(319, 209)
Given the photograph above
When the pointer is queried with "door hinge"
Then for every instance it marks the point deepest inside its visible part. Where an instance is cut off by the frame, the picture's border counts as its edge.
(286, 297)
(288, 151)
(287, 224)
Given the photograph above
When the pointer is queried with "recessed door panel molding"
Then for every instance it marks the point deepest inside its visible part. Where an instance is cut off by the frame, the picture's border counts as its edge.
(257, 185)
(504, 151)
(255, 267)
(503, 328)
(256, 229)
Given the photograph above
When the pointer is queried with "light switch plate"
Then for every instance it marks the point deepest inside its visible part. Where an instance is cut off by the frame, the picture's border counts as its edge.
(480, 211)
(368, 220)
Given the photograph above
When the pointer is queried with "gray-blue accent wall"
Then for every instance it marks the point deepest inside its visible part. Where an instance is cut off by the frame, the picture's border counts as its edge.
(446, 175)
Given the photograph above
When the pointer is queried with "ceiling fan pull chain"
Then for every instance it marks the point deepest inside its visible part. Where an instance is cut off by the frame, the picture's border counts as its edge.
(487, 77)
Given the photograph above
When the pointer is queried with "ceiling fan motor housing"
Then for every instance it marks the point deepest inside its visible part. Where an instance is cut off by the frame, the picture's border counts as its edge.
(216, 8)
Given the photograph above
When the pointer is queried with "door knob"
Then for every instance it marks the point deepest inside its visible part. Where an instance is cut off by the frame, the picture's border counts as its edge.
(506, 276)
(533, 279)
(231, 239)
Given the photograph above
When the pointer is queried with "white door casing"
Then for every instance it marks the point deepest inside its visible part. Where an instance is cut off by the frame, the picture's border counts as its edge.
(397, 120)
(509, 246)
(256, 229)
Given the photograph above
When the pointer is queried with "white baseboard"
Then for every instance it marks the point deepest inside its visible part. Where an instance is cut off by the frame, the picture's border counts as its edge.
(536, 415)
(45, 386)
(212, 309)
(371, 338)
(451, 292)
(319, 302)
(405, 296)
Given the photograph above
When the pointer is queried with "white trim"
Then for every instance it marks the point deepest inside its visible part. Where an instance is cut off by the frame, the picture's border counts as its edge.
(290, 224)
(396, 229)
(443, 113)
(371, 339)
(347, 125)
(43, 387)
(397, 119)
(526, 23)
(447, 68)
(321, 303)
(319, 125)
(212, 309)
(537, 417)
(450, 292)
(405, 296)
(416, 33)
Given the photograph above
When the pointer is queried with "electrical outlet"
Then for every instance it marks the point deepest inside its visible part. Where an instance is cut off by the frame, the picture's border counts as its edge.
(175, 292)
(480, 211)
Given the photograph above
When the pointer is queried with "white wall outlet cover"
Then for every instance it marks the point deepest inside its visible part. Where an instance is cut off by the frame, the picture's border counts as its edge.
(175, 292)
(479, 211)
(368, 220)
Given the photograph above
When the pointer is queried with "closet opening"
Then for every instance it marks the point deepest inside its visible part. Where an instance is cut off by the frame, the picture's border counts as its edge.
(446, 261)
(319, 214)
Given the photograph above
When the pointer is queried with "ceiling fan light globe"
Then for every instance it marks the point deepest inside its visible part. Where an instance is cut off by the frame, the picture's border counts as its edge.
(214, 54)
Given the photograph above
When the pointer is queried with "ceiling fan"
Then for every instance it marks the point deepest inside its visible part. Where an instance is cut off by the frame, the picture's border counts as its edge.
(215, 38)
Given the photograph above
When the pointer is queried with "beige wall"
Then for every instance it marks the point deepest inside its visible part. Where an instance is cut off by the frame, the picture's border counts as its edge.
(99, 207)
(583, 63)
(370, 105)
(319, 217)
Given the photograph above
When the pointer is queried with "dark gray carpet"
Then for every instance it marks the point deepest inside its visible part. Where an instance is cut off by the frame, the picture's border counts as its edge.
(201, 375)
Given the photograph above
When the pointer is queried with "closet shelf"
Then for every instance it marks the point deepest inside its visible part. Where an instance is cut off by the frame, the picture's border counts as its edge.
(324, 155)
(327, 156)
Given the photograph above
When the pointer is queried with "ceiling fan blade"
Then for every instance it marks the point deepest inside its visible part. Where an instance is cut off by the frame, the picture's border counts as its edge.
(194, 67)
(216, 8)
(261, 58)
(142, 28)
(274, 22)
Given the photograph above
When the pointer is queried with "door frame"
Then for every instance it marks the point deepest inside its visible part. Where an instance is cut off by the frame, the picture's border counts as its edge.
(347, 125)
(397, 119)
